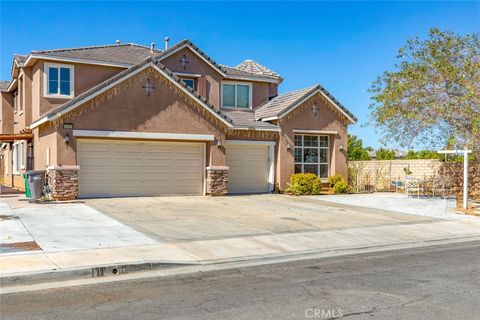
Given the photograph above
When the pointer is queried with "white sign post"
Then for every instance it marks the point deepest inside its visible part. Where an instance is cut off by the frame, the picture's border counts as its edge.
(465, 172)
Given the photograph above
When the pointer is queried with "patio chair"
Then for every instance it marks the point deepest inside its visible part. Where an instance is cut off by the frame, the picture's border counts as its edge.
(412, 186)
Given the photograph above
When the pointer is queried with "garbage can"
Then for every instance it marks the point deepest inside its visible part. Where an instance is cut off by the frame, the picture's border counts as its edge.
(27, 189)
(36, 180)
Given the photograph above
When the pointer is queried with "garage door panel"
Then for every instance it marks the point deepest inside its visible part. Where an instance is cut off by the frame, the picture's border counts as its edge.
(124, 168)
(249, 168)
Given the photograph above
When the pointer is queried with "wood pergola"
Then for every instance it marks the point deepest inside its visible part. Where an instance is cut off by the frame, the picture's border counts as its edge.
(10, 137)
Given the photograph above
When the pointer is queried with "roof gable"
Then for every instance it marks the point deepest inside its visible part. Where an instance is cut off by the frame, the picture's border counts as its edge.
(284, 103)
(225, 71)
(121, 77)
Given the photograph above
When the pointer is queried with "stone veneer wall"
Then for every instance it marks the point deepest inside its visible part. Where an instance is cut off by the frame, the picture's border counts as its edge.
(217, 181)
(63, 182)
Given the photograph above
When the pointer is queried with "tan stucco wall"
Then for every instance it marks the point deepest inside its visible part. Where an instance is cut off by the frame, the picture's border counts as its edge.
(303, 118)
(6, 114)
(22, 118)
(164, 111)
(44, 137)
(85, 77)
(209, 84)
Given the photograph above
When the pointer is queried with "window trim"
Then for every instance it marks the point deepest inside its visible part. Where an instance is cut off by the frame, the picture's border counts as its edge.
(48, 65)
(15, 101)
(302, 163)
(250, 91)
(16, 167)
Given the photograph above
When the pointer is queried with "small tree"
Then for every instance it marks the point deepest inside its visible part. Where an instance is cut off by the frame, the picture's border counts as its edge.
(355, 150)
(434, 95)
(385, 154)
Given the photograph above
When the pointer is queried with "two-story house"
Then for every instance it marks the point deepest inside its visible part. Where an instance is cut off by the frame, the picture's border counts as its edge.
(130, 120)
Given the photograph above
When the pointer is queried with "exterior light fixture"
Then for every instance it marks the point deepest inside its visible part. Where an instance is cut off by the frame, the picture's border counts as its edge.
(289, 146)
(341, 147)
(219, 143)
(66, 139)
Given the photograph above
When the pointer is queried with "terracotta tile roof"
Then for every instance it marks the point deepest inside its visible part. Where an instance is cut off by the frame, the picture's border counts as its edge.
(20, 59)
(128, 53)
(254, 67)
(4, 85)
(246, 119)
(282, 103)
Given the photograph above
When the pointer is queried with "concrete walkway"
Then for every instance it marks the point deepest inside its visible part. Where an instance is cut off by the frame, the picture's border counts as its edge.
(396, 202)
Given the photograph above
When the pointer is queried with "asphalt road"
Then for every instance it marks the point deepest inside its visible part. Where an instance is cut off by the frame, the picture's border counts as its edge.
(429, 283)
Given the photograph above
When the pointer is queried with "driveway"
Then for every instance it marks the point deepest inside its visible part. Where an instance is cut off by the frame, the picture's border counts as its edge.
(397, 202)
(178, 219)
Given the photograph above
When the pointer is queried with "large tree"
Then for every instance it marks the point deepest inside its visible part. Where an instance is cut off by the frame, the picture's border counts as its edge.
(433, 96)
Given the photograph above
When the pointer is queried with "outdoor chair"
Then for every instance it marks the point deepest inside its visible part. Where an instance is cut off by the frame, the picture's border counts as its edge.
(413, 186)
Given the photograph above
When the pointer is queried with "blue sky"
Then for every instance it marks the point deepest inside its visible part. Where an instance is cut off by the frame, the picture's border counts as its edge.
(341, 45)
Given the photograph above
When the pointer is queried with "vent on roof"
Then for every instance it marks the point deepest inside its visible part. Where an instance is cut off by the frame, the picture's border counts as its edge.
(117, 42)
(152, 47)
(166, 42)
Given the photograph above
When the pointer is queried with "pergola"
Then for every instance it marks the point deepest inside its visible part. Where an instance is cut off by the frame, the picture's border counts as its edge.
(465, 172)
(11, 137)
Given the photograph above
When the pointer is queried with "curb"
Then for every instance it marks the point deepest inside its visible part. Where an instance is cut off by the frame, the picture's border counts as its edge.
(85, 273)
(119, 272)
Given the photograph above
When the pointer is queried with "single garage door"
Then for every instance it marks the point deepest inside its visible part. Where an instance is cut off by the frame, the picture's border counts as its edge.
(139, 168)
(249, 168)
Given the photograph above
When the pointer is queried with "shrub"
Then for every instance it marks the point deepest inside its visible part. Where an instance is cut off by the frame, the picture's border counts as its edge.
(332, 181)
(340, 187)
(304, 184)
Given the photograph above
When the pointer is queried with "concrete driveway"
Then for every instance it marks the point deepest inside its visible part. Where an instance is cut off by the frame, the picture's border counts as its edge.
(178, 219)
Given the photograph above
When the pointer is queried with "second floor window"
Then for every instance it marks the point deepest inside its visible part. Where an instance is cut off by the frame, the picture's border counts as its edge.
(189, 82)
(236, 95)
(59, 80)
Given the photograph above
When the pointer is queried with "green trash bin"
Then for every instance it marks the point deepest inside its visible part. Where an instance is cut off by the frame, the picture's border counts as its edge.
(27, 188)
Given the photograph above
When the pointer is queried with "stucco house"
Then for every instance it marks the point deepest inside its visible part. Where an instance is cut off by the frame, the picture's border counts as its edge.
(132, 120)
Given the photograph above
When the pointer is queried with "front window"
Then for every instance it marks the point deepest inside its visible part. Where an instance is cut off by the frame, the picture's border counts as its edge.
(59, 80)
(311, 155)
(236, 95)
(18, 157)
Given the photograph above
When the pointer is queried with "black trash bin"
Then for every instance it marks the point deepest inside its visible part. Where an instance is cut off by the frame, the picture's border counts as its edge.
(36, 180)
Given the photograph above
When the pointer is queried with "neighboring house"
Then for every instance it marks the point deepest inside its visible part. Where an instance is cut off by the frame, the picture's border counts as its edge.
(128, 120)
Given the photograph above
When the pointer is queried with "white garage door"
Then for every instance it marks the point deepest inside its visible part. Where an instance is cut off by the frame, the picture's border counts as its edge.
(249, 168)
(137, 168)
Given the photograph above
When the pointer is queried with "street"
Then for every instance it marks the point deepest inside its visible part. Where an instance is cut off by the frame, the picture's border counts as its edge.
(429, 283)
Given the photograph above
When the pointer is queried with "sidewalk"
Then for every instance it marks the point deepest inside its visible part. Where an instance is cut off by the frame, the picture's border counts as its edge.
(238, 249)
(39, 240)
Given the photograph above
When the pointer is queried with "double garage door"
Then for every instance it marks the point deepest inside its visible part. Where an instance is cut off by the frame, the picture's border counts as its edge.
(143, 168)
(137, 168)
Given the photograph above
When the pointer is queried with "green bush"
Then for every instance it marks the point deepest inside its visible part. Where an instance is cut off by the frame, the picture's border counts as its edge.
(332, 181)
(304, 184)
(340, 187)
